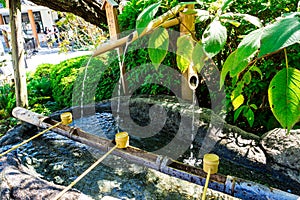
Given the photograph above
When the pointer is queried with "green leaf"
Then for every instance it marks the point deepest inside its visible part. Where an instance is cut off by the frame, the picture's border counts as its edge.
(253, 106)
(158, 46)
(238, 112)
(232, 22)
(226, 4)
(146, 16)
(284, 97)
(214, 38)
(227, 67)
(238, 101)
(256, 69)
(185, 46)
(237, 90)
(249, 114)
(245, 51)
(247, 78)
(279, 35)
(251, 19)
(199, 57)
(238, 60)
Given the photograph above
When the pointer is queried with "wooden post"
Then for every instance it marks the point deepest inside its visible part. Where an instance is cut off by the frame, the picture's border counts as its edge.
(33, 27)
(18, 53)
(111, 14)
(187, 26)
(4, 32)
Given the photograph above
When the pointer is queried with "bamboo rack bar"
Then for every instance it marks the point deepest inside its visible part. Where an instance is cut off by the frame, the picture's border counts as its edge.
(230, 185)
(162, 21)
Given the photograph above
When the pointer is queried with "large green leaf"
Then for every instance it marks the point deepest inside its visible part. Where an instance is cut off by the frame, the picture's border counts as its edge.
(214, 38)
(146, 16)
(185, 46)
(279, 35)
(158, 46)
(238, 60)
(284, 97)
(249, 18)
(245, 51)
(199, 57)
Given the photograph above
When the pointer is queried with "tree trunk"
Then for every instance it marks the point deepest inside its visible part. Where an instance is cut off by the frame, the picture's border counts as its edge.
(89, 10)
(18, 53)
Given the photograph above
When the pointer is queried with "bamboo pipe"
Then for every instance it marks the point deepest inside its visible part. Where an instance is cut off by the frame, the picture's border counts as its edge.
(228, 184)
(160, 21)
(193, 79)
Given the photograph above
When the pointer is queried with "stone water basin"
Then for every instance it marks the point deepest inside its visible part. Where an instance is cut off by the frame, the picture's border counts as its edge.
(60, 160)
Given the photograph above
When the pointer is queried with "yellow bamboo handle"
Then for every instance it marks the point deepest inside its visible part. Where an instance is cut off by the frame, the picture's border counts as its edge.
(84, 174)
(206, 185)
(28, 140)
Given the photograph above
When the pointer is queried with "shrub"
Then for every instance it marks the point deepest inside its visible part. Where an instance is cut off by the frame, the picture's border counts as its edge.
(62, 77)
(7, 100)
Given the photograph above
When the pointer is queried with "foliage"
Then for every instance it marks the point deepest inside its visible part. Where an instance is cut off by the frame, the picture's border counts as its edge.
(284, 97)
(221, 17)
(43, 70)
(127, 19)
(3, 2)
(7, 99)
(63, 76)
(95, 81)
(286, 30)
(158, 46)
(76, 33)
(7, 103)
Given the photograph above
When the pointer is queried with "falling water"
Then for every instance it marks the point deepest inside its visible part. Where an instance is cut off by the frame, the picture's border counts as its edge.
(192, 160)
(83, 85)
(121, 64)
(193, 123)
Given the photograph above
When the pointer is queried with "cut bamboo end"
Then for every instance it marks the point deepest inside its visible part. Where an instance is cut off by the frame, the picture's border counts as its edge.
(193, 79)
(66, 118)
(122, 140)
(211, 162)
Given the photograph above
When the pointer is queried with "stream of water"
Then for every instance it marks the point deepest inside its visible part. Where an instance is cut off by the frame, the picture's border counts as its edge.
(83, 87)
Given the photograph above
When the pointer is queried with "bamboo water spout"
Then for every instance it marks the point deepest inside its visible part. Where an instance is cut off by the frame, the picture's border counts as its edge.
(193, 79)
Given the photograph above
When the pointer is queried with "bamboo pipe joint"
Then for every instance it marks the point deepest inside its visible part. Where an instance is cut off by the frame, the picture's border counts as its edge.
(211, 162)
(66, 118)
(122, 140)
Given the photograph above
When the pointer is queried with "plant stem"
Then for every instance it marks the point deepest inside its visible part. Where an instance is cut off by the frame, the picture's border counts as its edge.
(286, 59)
